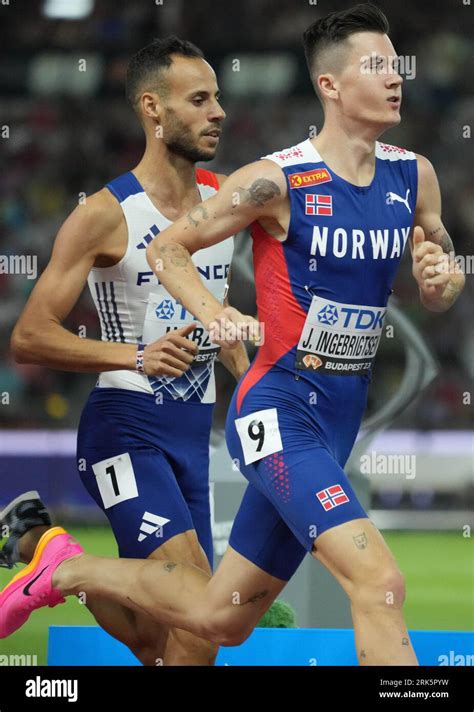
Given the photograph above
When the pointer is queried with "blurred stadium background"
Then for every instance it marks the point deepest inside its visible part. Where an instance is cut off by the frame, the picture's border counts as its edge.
(66, 132)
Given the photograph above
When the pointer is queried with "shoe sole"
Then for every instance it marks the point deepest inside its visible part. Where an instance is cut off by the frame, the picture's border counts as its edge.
(40, 547)
(21, 498)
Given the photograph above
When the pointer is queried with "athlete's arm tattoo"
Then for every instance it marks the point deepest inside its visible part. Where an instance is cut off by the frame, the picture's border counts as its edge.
(362, 654)
(361, 541)
(454, 287)
(444, 241)
(197, 214)
(256, 597)
(169, 566)
(405, 641)
(178, 254)
(446, 244)
(260, 192)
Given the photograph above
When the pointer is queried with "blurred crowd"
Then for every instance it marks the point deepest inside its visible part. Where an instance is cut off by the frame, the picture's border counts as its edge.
(61, 146)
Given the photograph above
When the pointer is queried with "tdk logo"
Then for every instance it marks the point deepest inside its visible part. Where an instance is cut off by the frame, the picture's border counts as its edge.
(352, 317)
(165, 310)
(363, 318)
(328, 314)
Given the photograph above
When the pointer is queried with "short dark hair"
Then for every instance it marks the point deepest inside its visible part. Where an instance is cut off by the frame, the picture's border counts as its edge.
(338, 26)
(150, 60)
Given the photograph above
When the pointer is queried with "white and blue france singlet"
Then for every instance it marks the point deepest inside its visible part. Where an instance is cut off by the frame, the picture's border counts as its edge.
(133, 306)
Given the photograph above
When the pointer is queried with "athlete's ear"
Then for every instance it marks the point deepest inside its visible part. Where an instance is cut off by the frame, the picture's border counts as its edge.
(327, 86)
(150, 106)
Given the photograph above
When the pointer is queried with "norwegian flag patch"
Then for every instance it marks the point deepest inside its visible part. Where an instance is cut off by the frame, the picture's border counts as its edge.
(332, 497)
(318, 204)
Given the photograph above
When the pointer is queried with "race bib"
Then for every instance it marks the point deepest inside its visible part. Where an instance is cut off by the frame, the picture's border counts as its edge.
(115, 479)
(165, 315)
(259, 434)
(339, 338)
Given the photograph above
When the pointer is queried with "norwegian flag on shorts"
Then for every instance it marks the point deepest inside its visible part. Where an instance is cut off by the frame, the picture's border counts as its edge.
(318, 204)
(332, 497)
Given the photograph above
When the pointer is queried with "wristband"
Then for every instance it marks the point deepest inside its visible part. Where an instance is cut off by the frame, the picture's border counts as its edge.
(140, 354)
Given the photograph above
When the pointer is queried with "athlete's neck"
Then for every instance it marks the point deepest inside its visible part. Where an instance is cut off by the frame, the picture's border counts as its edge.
(349, 153)
(168, 179)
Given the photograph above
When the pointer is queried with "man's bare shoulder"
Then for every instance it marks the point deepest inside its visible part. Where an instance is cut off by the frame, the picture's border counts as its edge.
(99, 212)
(262, 169)
(96, 224)
(426, 171)
(429, 196)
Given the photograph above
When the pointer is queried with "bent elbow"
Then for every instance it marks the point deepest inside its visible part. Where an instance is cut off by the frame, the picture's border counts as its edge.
(20, 346)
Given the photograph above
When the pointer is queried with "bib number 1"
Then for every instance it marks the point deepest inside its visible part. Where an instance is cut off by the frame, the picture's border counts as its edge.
(115, 479)
(259, 434)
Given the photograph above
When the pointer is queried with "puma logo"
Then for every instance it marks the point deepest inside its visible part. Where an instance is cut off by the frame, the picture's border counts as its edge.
(394, 198)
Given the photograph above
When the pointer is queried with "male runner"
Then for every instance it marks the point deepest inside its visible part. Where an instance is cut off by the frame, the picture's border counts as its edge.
(331, 218)
(143, 440)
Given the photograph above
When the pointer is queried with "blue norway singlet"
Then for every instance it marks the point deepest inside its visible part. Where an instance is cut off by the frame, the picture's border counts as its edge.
(322, 295)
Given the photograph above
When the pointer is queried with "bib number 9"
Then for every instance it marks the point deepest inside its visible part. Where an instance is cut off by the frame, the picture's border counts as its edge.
(259, 434)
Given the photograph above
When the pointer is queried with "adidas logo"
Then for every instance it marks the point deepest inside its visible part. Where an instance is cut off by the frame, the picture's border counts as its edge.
(146, 239)
(151, 523)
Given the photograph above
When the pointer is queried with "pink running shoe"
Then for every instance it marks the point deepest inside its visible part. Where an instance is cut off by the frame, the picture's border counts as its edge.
(32, 588)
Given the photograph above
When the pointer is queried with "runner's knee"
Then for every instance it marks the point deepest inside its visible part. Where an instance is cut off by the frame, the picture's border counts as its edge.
(224, 627)
(383, 586)
(183, 648)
